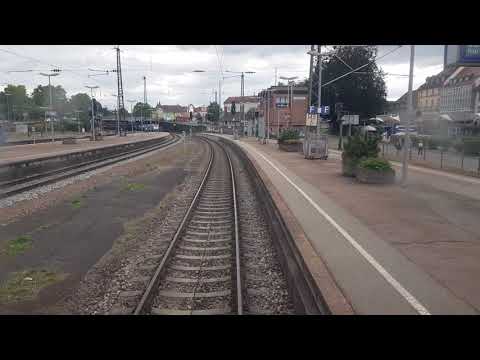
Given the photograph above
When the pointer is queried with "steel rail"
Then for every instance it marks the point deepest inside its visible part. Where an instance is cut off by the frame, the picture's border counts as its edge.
(28, 178)
(237, 238)
(153, 284)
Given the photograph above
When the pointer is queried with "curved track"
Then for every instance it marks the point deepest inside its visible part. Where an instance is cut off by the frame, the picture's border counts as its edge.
(200, 271)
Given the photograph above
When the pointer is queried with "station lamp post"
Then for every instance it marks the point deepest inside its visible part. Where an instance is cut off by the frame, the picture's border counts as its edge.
(219, 89)
(50, 103)
(131, 112)
(93, 113)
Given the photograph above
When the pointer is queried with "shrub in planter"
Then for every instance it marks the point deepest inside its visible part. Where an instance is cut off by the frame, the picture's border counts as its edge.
(356, 148)
(289, 140)
(375, 171)
(289, 135)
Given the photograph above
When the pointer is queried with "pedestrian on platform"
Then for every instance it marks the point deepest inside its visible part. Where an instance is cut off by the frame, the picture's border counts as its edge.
(420, 148)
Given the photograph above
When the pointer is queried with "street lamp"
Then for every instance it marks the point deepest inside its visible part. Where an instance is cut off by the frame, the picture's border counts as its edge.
(219, 87)
(117, 115)
(93, 114)
(131, 112)
(50, 105)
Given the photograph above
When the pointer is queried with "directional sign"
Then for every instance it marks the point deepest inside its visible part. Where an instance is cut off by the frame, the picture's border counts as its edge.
(323, 110)
(351, 119)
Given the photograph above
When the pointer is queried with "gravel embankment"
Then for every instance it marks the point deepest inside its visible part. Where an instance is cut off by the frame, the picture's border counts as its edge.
(115, 284)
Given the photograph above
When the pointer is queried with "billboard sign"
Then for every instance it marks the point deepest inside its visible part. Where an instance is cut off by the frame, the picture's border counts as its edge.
(463, 55)
(470, 54)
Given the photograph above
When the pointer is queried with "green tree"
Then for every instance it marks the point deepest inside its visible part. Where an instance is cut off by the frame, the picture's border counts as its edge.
(213, 112)
(363, 93)
(18, 101)
(137, 109)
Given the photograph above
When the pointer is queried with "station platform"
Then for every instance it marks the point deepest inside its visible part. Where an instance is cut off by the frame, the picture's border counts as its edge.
(388, 249)
(14, 153)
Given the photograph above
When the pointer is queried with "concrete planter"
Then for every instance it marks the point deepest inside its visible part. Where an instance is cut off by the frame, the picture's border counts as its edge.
(369, 176)
(349, 167)
(290, 147)
(69, 141)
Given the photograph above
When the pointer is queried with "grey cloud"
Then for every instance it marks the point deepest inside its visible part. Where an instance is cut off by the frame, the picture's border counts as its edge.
(291, 60)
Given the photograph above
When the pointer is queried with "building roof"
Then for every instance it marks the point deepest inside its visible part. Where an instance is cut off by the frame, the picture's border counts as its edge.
(284, 90)
(466, 76)
(174, 108)
(242, 99)
(437, 80)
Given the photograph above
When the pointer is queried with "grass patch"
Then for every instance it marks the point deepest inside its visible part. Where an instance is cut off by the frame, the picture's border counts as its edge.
(76, 203)
(25, 285)
(134, 187)
(19, 245)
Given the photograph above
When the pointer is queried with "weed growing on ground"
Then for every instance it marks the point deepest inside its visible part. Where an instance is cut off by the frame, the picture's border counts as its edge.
(134, 187)
(25, 285)
(76, 203)
(19, 245)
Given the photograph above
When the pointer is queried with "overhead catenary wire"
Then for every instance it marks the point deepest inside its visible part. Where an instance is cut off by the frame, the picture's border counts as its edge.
(361, 67)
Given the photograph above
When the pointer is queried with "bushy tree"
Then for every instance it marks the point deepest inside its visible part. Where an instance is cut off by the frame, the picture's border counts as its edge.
(363, 93)
(213, 112)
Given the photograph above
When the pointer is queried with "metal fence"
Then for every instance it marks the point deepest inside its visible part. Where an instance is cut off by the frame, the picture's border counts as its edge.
(439, 159)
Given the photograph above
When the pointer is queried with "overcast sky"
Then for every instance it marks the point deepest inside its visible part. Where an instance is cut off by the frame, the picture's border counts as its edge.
(168, 69)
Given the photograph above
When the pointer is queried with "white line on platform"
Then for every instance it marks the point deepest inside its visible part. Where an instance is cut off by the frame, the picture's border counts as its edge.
(390, 279)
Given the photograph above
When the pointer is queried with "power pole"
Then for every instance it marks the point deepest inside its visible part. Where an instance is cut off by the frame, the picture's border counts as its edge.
(242, 105)
(120, 103)
(220, 98)
(312, 48)
(93, 112)
(275, 76)
(406, 145)
(144, 99)
(319, 85)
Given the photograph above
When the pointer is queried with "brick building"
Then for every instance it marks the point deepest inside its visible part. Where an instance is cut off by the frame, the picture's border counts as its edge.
(281, 110)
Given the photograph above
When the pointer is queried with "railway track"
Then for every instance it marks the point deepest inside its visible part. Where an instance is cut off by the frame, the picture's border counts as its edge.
(200, 271)
(19, 185)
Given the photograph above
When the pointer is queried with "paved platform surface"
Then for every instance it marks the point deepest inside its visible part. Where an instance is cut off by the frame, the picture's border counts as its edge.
(13, 153)
(391, 250)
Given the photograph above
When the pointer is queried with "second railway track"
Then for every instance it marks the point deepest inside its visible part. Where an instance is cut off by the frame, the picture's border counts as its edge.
(200, 271)
(19, 185)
